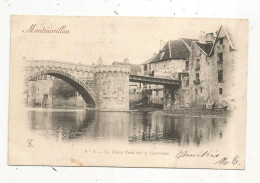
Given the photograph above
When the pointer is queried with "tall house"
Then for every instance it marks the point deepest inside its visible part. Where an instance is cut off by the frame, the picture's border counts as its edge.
(172, 62)
(212, 68)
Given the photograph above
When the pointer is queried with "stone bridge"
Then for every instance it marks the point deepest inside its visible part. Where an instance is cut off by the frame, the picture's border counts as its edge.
(104, 86)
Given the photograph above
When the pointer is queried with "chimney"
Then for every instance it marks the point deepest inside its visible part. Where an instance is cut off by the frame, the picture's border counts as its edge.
(210, 37)
(202, 37)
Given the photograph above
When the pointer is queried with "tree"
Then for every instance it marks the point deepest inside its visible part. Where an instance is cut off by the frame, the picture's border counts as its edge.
(62, 89)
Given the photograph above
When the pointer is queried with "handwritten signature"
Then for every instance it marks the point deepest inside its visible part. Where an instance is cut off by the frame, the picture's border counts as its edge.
(226, 161)
(210, 154)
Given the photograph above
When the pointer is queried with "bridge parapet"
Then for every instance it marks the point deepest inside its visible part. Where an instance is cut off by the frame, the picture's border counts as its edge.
(46, 64)
(112, 68)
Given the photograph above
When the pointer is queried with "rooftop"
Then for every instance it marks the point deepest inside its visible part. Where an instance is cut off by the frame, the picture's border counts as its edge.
(173, 49)
(230, 33)
(205, 47)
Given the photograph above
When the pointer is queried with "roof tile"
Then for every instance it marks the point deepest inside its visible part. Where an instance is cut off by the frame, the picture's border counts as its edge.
(173, 49)
(206, 47)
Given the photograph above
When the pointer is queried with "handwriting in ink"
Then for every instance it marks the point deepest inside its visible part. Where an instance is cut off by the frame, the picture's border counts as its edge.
(226, 161)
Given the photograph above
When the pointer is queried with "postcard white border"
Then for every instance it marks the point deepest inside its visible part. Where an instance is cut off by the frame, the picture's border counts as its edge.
(230, 8)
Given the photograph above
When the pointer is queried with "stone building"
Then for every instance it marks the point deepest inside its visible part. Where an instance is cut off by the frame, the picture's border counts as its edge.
(212, 69)
(43, 91)
(39, 91)
(172, 62)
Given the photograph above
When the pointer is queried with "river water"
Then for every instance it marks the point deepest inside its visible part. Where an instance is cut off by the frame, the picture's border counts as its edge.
(126, 127)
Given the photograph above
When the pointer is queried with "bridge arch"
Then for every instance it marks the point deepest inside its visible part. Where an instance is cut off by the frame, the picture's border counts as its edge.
(81, 87)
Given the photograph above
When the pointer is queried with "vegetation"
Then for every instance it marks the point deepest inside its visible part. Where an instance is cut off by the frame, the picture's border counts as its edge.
(62, 89)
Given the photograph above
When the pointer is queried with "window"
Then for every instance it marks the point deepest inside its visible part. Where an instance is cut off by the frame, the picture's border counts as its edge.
(145, 67)
(149, 66)
(220, 58)
(157, 92)
(220, 76)
(187, 82)
(220, 91)
(134, 90)
(196, 91)
(187, 65)
(200, 90)
(197, 76)
(44, 77)
(197, 79)
(220, 41)
(197, 64)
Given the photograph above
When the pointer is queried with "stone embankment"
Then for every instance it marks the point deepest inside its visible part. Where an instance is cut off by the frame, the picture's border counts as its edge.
(194, 112)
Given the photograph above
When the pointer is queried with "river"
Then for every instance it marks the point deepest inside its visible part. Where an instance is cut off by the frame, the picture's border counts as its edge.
(126, 127)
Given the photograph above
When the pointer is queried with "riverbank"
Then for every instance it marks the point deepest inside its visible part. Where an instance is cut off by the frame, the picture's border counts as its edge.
(189, 112)
(194, 112)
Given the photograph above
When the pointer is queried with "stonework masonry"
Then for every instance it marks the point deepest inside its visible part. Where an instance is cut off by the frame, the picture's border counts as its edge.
(107, 87)
(212, 73)
(112, 89)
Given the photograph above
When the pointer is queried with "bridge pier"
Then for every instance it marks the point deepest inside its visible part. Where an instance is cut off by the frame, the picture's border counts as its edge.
(112, 88)
(169, 96)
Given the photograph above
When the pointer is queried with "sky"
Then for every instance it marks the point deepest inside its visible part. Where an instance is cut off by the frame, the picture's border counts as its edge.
(111, 38)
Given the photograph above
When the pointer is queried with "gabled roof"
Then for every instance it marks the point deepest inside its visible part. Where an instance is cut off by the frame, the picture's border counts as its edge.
(205, 47)
(173, 49)
(229, 37)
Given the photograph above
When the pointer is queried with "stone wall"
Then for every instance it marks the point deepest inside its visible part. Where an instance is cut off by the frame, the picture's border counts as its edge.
(199, 88)
(39, 91)
(182, 98)
(112, 88)
(134, 97)
(210, 88)
(228, 71)
(169, 66)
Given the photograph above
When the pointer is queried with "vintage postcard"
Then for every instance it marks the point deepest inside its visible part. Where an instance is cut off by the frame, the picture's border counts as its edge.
(128, 92)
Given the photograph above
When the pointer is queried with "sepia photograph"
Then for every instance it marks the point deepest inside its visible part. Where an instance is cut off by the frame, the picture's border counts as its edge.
(128, 92)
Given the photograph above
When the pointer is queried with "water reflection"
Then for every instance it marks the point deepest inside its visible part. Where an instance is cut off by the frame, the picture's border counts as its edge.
(170, 129)
(135, 127)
